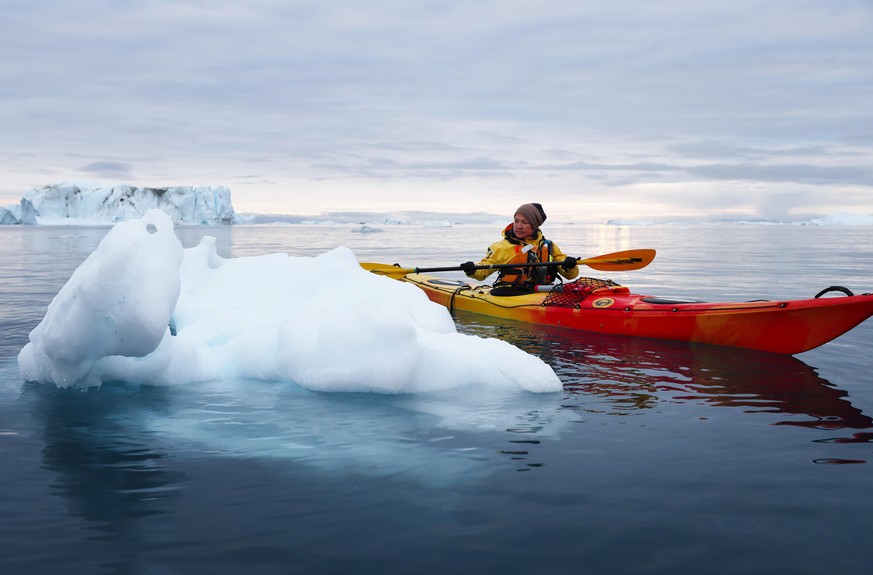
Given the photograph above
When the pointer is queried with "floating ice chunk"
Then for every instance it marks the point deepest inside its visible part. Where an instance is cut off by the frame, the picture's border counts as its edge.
(141, 308)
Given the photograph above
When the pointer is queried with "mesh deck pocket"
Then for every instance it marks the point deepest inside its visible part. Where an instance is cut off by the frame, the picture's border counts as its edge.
(570, 294)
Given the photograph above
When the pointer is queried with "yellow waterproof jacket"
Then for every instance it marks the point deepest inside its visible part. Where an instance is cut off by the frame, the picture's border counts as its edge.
(511, 249)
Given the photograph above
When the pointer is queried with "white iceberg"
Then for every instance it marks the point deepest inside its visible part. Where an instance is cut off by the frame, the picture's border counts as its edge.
(80, 203)
(844, 219)
(141, 308)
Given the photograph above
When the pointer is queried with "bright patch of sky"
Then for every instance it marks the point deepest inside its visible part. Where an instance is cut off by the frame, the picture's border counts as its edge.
(629, 109)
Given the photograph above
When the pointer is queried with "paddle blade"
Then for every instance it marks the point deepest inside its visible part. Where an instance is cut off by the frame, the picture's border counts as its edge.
(620, 261)
(393, 272)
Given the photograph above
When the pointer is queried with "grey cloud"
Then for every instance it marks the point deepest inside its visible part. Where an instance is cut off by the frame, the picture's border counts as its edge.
(722, 150)
(589, 166)
(805, 174)
(107, 169)
(392, 168)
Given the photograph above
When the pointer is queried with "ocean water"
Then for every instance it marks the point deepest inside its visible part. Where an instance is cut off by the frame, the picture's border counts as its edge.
(658, 457)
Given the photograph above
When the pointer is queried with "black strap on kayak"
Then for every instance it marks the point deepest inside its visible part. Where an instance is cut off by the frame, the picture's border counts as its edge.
(504, 290)
(451, 305)
(846, 291)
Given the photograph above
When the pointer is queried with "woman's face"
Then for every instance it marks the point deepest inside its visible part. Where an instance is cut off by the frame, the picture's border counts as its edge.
(522, 228)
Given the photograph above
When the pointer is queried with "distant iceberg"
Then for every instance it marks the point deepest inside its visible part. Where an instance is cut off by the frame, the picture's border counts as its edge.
(835, 219)
(844, 219)
(365, 229)
(630, 223)
(75, 203)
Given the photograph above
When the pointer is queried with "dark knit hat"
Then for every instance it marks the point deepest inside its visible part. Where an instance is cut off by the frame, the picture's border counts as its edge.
(533, 213)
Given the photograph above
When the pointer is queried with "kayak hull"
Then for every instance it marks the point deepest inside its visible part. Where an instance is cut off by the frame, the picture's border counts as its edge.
(781, 326)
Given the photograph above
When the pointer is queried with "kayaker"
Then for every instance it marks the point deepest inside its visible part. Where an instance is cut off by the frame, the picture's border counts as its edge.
(523, 242)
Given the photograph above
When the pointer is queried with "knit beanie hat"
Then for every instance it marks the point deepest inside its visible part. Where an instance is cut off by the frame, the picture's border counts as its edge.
(533, 213)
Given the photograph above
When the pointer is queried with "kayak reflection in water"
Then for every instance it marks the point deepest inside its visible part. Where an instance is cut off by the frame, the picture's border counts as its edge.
(619, 375)
(524, 243)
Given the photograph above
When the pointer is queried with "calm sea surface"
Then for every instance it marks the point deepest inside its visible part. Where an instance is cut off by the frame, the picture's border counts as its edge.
(657, 458)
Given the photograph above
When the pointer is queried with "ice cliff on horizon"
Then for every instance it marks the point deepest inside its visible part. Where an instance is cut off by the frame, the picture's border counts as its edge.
(77, 203)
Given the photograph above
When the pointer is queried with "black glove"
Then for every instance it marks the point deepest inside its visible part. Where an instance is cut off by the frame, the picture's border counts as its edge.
(468, 267)
(569, 263)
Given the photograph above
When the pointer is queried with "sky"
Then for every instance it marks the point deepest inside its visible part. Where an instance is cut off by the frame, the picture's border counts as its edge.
(632, 109)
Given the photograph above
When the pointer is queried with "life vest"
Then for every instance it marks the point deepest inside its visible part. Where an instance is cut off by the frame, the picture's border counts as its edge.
(524, 254)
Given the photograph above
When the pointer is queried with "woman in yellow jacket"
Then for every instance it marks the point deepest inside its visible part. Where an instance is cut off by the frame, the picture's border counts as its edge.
(523, 242)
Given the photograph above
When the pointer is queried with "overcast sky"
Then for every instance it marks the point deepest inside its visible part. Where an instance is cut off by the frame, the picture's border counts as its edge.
(599, 110)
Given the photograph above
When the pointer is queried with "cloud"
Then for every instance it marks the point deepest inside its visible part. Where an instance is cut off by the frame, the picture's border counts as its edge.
(721, 150)
(107, 169)
(487, 100)
(806, 174)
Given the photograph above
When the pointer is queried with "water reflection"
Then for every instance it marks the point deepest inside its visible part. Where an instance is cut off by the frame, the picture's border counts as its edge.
(629, 375)
(107, 465)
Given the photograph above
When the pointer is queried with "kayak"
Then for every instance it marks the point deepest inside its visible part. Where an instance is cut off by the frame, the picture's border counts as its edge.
(602, 306)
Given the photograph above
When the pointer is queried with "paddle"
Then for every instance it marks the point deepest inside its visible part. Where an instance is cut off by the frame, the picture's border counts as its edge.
(617, 261)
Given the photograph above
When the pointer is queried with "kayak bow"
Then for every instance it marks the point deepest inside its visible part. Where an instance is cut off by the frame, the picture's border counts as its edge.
(781, 326)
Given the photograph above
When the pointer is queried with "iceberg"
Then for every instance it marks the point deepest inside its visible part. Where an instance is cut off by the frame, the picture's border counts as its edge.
(8, 217)
(23, 213)
(844, 219)
(78, 203)
(143, 309)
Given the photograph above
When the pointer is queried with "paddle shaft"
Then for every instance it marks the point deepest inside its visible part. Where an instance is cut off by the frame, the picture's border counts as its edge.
(489, 267)
(618, 261)
(624, 261)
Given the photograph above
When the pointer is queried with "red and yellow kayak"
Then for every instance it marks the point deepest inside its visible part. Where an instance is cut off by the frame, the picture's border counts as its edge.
(780, 326)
